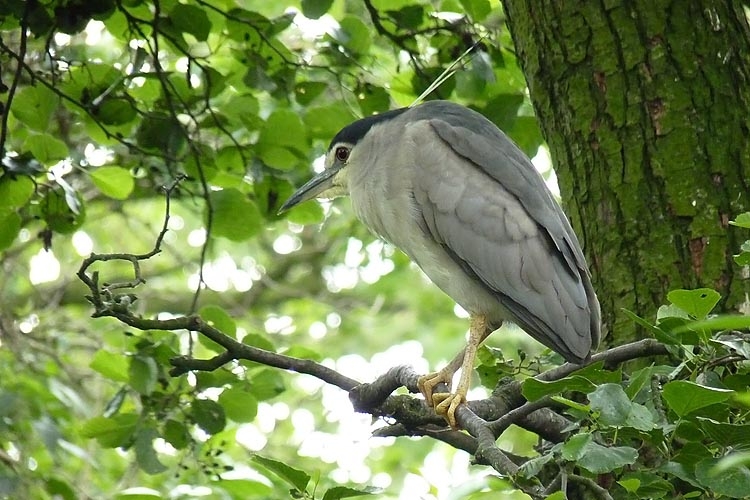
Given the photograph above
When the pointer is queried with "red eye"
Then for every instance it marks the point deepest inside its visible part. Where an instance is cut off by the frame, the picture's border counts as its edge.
(342, 154)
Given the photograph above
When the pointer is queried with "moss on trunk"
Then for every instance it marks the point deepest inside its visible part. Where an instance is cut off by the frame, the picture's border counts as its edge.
(646, 108)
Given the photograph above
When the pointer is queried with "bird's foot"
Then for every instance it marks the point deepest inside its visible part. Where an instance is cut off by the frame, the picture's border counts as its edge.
(426, 385)
(447, 406)
(445, 403)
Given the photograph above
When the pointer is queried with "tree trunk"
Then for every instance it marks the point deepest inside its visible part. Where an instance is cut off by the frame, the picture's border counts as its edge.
(645, 106)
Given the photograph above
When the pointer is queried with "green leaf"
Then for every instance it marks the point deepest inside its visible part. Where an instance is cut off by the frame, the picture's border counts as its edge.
(650, 485)
(145, 455)
(725, 434)
(278, 157)
(533, 389)
(209, 415)
(717, 324)
(657, 332)
(260, 341)
(115, 182)
(191, 19)
(176, 434)
(33, 106)
(734, 482)
(245, 488)
(612, 403)
(477, 9)
(338, 492)
(323, 122)
(297, 478)
(599, 459)
(46, 149)
(306, 213)
(220, 319)
(558, 495)
(306, 92)
(742, 220)
(10, 225)
(138, 494)
(697, 303)
(284, 128)
(574, 447)
(111, 432)
(59, 489)
(354, 34)
(114, 366)
(235, 217)
(617, 410)
(57, 211)
(266, 384)
(531, 468)
(15, 192)
(239, 405)
(116, 111)
(684, 397)
(630, 485)
(143, 374)
(313, 9)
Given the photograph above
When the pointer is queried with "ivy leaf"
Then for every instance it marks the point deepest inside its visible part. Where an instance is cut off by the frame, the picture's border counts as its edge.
(684, 397)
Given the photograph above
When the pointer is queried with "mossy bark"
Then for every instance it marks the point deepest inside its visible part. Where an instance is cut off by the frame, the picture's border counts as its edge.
(646, 108)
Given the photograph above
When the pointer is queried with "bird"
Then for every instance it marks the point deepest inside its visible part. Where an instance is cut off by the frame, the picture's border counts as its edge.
(445, 185)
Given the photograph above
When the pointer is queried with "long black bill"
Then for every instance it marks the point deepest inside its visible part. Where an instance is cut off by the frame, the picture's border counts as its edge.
(311, 188)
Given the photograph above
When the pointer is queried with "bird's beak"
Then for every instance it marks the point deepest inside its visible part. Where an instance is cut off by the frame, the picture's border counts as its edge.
(312, 188)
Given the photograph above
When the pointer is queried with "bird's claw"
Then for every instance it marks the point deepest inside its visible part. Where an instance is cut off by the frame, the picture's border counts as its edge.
(445, 403)
(426, 384)
(447, 406)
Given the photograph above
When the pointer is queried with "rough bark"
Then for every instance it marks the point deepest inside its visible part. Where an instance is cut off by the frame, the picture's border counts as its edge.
(645, 105)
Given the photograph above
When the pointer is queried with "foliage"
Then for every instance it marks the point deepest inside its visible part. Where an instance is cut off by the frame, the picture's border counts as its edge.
(117, 113)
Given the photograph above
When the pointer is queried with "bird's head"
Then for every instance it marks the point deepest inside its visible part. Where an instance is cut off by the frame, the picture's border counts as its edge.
(343, 151)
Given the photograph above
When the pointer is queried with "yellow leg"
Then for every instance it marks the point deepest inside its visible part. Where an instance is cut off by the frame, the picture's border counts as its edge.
(446, 403)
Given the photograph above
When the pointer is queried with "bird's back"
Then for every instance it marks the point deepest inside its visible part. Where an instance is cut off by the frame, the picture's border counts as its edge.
(469, 207)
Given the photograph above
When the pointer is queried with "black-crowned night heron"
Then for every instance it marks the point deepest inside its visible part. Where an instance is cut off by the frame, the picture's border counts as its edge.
(445, 185)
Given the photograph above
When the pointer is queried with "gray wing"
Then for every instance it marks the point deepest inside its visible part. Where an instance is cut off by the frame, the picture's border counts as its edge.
(499, 222)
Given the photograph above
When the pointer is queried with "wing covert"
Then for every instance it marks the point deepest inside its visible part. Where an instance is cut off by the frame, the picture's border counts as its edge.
(498, 221)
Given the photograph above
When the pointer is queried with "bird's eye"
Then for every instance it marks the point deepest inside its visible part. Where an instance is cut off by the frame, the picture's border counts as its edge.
(342, 153)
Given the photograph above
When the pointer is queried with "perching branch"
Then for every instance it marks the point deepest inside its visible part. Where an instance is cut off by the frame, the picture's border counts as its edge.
(483, 420)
